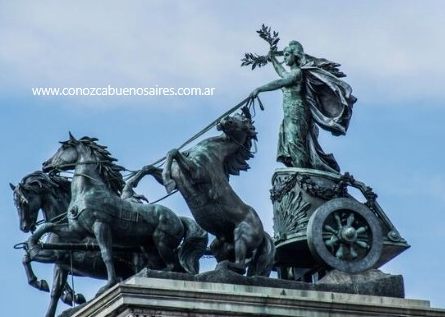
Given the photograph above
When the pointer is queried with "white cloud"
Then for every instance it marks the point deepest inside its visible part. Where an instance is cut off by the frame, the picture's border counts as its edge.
(388, 49)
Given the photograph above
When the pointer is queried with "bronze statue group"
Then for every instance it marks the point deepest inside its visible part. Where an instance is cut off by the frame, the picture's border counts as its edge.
(100, 227)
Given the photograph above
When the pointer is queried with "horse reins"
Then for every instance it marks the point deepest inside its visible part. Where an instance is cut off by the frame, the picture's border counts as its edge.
(248, 102)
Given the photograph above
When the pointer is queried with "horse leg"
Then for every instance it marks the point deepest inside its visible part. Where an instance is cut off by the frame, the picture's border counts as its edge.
(186, 166)
(32, 278)
(244, 239)
(62, 230)
(42, 256)
(68, 296)
(166, 237)
(184, 163)
(155, 172)
(46, 256)
(167, 180)
(132, 182)
(102, 232)
(32, 246)
(222, 250)
(166, 248)
(59, 281)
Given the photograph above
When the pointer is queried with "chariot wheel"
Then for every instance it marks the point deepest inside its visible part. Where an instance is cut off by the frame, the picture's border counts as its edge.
(345, 235)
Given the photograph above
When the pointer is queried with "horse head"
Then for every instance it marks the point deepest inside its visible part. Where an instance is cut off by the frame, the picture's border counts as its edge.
(65, 157)
(27, 208)
(238, 127)
(91, 155)
(29, 197)
(240, 131)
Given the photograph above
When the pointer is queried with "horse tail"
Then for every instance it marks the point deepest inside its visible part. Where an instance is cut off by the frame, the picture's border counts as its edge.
(193, 247)
(264, 258)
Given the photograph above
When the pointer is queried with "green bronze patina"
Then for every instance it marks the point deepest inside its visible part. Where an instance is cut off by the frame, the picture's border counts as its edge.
(96, 210)
(318, 225)
(313, 95)
(314, 216)
(201, 175)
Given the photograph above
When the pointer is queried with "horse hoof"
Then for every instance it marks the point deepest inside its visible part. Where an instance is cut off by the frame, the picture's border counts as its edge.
(67, 298)
(79, 299)
(43, 285)
(170, 186)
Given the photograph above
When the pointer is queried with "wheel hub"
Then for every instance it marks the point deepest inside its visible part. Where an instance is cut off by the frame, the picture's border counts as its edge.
(348, 234)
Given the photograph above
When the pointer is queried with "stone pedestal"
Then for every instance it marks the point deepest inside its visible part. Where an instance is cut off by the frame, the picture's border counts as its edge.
(152, 297)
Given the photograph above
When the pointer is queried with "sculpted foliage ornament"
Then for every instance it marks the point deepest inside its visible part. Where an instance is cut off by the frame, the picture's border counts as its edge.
(291, 215)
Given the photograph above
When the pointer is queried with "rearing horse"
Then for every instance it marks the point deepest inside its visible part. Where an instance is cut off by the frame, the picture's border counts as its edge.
(201, 174)
(96, 210)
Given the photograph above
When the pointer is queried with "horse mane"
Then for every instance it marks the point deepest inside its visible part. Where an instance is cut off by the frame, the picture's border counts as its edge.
(109, 171)
(54, 184)
(237, 161)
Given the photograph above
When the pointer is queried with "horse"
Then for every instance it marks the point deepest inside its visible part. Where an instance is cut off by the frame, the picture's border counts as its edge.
(96, 210)
(51, 194)
(201, 175)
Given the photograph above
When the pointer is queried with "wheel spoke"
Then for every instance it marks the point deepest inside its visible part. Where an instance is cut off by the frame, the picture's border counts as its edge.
(362, 244)
(351, 219)
(330, 229)
(337, 218)
(340, 252)
(352, 252)
(332, 241)
(362, 230)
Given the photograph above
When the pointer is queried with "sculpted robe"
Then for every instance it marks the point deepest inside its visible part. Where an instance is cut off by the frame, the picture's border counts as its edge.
(326, 101)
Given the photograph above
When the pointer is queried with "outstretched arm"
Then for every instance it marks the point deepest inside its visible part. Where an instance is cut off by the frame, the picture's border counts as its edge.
(289, 79)
(281, 71)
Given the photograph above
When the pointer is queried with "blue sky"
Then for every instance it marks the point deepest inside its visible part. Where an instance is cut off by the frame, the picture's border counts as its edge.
(392, 52)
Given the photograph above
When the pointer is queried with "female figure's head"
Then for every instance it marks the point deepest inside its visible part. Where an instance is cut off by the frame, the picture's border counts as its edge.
(294, 54)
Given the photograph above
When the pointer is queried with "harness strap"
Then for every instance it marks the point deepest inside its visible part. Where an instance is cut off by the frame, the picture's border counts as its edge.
(249, 101)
